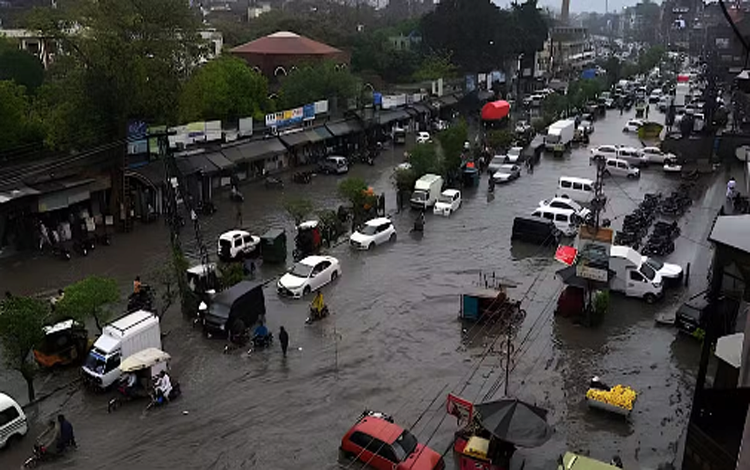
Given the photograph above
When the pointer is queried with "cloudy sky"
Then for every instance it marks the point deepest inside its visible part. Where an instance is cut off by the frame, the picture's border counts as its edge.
(583, 5)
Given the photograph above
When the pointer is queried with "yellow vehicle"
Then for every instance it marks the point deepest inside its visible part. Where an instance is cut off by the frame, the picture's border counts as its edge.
(64, 343)
(571, 461)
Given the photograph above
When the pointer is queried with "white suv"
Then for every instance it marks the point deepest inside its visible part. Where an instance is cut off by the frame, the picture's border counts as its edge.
(373, 232)
(655, 155)
(236, 244)
(618, 167)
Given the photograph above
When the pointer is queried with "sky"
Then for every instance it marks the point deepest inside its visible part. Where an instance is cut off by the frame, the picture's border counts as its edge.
(578, 6)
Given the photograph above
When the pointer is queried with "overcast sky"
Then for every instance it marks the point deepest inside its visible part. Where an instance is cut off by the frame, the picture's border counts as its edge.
(583, 5)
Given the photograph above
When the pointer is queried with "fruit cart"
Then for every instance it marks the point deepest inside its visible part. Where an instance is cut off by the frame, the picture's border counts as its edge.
(619, 399)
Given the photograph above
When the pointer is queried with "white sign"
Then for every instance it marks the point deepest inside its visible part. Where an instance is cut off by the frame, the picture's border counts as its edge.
(180, 136)
(393, 101)
(245, 127)
(271, 120)
(321, 107)
(213, 131)
(595, 274)
(440, 87)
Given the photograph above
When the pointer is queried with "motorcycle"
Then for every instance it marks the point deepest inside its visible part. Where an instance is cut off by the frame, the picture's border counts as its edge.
(45, 449)
(142, 300)
(206, 208)
(82, 247)
(58, 250)
(159, 400)
(261, 342)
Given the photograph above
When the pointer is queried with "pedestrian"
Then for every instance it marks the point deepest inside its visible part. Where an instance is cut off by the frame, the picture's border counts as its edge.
(283, 339)
(647, 108)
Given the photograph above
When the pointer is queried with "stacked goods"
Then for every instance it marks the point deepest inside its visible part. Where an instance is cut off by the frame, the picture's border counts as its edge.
(620, 396)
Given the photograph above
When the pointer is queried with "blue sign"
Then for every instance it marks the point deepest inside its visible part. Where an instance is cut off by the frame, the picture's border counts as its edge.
(308, 112)
(137, 143)
(471, 83)
(377, 98)
(588, 74)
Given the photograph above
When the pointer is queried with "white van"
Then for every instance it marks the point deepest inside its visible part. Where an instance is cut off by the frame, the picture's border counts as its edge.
(427, 191)
(565, 220)
(577, 189)
(12, 420)
(619, 167)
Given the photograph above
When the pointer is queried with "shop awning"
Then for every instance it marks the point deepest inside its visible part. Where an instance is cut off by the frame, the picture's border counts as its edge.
(255, 150)
(152, 172)
(323, 133)
(448, 100)
(17, 192)
(193, 164)
(342, 128)
(386, 117)
(218, 159)
(296, 138)
(61, 194)
(421, 108)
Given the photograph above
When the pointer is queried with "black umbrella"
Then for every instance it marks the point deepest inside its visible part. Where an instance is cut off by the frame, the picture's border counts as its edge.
(514, 421)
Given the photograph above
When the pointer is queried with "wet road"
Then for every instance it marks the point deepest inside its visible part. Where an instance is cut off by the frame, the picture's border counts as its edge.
(393, 342)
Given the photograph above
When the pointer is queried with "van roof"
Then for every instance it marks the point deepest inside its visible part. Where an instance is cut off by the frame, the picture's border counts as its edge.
(573, 179)
(554, 210)
(132, 319)
(6, 402)
(630, 254)
(232, 234)
(236, 291)
(429, 178)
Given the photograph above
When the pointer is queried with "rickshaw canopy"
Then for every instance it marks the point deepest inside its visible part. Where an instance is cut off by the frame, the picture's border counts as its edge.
(144, 360)
(495, 110)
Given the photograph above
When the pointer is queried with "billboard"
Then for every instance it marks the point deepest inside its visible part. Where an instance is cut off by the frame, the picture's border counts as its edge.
(308, 112)
(321, 107)
(137, 143)
(285, 118)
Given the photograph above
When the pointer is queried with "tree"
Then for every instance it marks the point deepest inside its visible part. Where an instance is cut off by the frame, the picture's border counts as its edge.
(500, 139)
(16, 124)
(452, 142)
(231, 274)
(21, 322)
(355, 190)
(224, 89)
(435, 66)
(424, 159)
(123, 61)
(87, 298)
(298, 209)
(311, 83)
(19, 66)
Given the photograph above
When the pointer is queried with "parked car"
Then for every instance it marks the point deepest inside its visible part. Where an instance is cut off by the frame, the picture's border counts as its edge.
(565, 220)
(309, 274)
(423, 137)
(506, 173)
(378, 442)
(655, 155)
(236, 244)
(603, 152)
(632, 156)
(535, 230)
(513, 155)
(334, 165)
(12, 420)
(496, 162)
(522, 127)
(566, 203)
(617, 167)
(448, 202)
(373, 232)
(668, 271)
(633, 125)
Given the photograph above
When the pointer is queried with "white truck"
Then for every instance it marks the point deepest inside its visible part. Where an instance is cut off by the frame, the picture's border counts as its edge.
(560, 135)
(427, 191)
(681, 92)
(120, 339)
(633, 277)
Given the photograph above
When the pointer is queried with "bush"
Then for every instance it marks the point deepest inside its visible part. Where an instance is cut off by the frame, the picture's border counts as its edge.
(599, 307)
(650, 131)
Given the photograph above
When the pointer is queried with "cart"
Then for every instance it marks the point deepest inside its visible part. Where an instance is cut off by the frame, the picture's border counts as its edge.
(607, 407)
(598, 396)
(470, 175)
(488, 305)
(273, 246)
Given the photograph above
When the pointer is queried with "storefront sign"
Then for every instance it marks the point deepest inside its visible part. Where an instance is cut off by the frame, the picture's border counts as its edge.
(284, 118)
(321, 107)
(594, 274)
(566, 254)
(196, 132)
(308, 112)
(393, 101)
(137, 143)
(245, 127)
(213, 131)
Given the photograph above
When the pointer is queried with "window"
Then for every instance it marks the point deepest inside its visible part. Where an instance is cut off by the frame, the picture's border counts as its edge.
(237, 242)
(405, 445)
(636, 276)
(559, 205)
(611, 163)
(387, 452)
(360, 439)
(248, 239)
(622, 165)
(587, 187)
(548, 216)
(561, 217)
(537, 214)
(565, 184)
(113, 363)
(7, 415)
(578, 186)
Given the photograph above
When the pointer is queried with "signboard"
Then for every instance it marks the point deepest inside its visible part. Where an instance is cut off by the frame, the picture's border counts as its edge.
(497, 76)
(153, 142)
(566, 255)
(471, 83)
(377, 98)
(393, 101)
(180, 136)
(245, 127)
(321, 107)
(137, 143)
(440, 87)
(196, 132)
(308, 112)
(462, 409)
(284, 118)
(213, 131)
(595, 274)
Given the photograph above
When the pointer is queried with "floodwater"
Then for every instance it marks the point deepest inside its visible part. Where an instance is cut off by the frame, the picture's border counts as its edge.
(394, 342)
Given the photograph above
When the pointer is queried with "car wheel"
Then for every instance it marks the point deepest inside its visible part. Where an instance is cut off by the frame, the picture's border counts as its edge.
(392, 238)
(649, 298)
(334, 275)
(306, 291)
(606, 173)
(631, 176)
(371, 246)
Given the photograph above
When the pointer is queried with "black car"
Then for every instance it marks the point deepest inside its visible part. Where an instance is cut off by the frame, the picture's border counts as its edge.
(233, 311)
(537, 231)
(692, 316)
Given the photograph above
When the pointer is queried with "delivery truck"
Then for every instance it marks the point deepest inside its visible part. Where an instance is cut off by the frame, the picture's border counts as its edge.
(632, 276)
(121, 338)
(427, 190)
(560, 135)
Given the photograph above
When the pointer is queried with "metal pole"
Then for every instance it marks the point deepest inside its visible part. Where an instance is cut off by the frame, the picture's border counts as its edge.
(507, 361)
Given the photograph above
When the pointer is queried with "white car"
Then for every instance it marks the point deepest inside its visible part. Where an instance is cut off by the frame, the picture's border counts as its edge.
(448, 202)
(617, 167)
(13, 424)
(423, 137)
(236, 244)
(561, 202)
(587, 127)
(373, 232)
(308, 275)
(513, 155)
(655, 155)
(403, 166)
(633, 125)
(496, 162)
(506, 173)
(603, 152)
(632, 156)
(667, 270)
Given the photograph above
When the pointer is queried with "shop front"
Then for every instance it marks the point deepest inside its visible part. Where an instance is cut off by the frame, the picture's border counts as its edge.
(252, 159)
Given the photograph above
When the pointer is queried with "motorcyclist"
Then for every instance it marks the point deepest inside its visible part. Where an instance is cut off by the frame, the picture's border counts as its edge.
(47, 440)
(317, 306)
(420, 222)
(163, 386)
(66, 438)
(260, 332)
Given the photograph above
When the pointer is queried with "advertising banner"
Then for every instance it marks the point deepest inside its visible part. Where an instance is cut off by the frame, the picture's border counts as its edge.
(245, 127)
(377, 98)
(153, 142)
(137, 143)
(196, 132)
(321, 107)
(393, 101)
(213, 131)
(285, 118)
(308, 112)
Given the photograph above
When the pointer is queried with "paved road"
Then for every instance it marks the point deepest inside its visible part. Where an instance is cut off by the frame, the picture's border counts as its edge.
(394, 342)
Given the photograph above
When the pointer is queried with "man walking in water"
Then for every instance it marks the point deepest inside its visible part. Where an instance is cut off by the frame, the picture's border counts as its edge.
(284, 340)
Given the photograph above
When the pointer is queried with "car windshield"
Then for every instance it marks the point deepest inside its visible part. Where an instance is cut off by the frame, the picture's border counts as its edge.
(368, 230)
(648, 271)
(404, 445)
(446, 199)
(219, 310)
(419, 195)
(656, 264)
(301, 270)
(95, 362)
(497, 160)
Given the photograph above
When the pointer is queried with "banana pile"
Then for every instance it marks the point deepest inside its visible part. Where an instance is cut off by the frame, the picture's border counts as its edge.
(620, 395)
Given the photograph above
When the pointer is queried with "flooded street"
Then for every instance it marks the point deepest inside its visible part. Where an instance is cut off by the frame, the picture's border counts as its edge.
(394, 342)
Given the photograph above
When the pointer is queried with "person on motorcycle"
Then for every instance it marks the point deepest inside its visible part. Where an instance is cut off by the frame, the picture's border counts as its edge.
(163, 386)
(66, 438)
(260, 332)
(137, 285)
(48, 440)
(317, 306)
(419, 223)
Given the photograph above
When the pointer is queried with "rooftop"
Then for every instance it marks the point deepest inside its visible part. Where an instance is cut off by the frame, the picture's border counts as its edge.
(285, 43)
(732, 231)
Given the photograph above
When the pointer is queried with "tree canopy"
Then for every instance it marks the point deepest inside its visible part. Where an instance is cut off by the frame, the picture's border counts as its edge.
(311, 83)
(224, 89)
(21, 322)
(17, 126)
(20, 66)
(87, 298)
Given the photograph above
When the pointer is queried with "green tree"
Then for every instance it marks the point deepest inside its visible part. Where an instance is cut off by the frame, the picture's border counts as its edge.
(20, 66)
(452, 142)
(354, 190)
(231, 274)
(500, 139)
(124, 61)
(21, 322)
(311, 83)
(87, 298)
(435, 66)
(424, 159)
(404, 179)
(298, 208)
(225, 89)
(16, 123)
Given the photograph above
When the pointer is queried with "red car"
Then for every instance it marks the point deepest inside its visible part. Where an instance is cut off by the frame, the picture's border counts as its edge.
(383, 445)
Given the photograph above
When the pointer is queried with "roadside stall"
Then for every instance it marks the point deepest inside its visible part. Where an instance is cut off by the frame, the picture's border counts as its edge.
(492, 431)
(619, 399)
(488, 305)
(470, 175)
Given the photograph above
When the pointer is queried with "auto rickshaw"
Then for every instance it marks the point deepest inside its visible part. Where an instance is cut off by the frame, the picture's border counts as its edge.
(308, 239)
(145, 366)
(470, 175)
(273, 246)
(64, 343)
(202, 278)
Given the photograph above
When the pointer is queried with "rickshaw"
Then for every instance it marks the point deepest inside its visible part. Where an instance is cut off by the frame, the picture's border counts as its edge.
(308, 239)
(146, 366)
(64, 343)
(470, 175)
(273, 246)
(202, 278)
